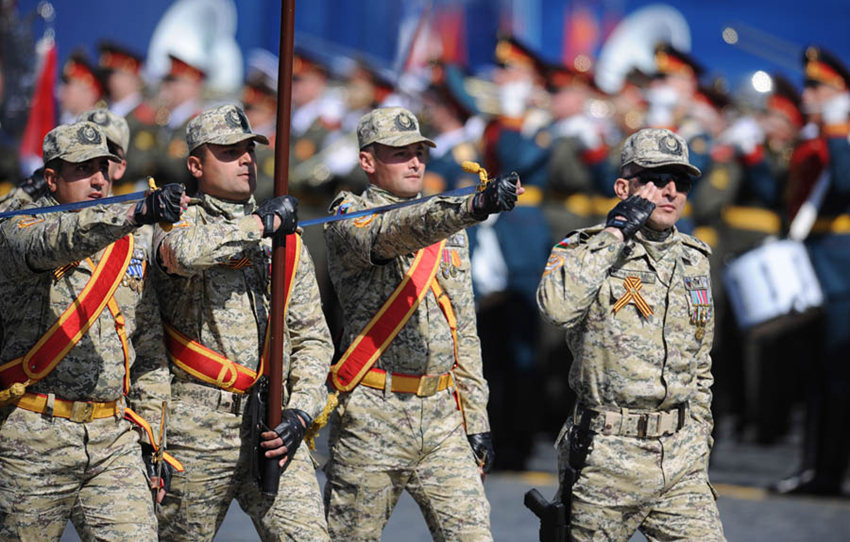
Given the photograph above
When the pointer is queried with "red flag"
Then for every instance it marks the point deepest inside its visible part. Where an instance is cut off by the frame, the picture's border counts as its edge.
(451, 23)
(42, 117)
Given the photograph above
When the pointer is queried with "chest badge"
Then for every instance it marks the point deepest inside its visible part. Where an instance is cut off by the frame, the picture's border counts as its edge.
(633, 286)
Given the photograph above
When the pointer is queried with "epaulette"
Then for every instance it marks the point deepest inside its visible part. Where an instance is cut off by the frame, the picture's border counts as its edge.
(693, 242)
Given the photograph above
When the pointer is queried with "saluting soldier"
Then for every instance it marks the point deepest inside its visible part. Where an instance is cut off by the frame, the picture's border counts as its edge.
(214, 292)
(80, 324)
(634, 299)
(413, 409)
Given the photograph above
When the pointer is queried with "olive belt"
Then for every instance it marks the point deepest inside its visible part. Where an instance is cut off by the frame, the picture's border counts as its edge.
(421, 385)
(76, 411)
(625, 423)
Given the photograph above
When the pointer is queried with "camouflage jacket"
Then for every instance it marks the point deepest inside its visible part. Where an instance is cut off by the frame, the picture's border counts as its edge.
(215, 288)
(623, 358)
(368, 258)
(36, 291)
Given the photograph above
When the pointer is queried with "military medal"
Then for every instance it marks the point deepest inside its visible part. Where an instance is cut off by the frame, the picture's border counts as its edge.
(701, 305)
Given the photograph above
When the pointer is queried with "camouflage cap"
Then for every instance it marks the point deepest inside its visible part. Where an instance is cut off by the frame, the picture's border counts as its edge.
(221, 125)
(391, 126)
(76, 143)
(653, 148)
(114, 127)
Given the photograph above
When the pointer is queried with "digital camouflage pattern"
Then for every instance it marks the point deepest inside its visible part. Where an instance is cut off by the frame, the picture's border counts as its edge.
(53, 465)
(392, 126)
(655, 148)
(215, 289)
(114, 127)
(643, 363)
(382, 443)
(222, 125)
(76, 143)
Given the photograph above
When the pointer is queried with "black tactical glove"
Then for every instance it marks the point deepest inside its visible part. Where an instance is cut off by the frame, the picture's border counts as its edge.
(35, 185)
(636, 211)
(286, 207)
(150, 468)
(499, 195)
(482, 447)
(291, 431)
(160, 205)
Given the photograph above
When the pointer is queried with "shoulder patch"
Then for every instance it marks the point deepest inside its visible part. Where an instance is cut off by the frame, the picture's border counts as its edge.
(346, 198)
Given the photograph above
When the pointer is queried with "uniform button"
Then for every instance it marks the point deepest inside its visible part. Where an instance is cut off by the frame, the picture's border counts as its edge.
(607, 426)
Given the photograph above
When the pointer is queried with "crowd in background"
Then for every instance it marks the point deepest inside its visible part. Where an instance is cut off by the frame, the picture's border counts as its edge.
(761, 158)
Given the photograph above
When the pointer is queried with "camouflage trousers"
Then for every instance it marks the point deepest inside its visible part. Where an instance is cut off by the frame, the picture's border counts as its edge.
(383, 444)
(208, 435)
(55, 470)
(656, 485)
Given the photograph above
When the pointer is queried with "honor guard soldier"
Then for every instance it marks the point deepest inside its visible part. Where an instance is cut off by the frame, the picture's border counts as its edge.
(80, 327)
(124, 86)
(180, 95)
(827, 446)
(449, 109)
(81, 87)
(509, 322)
(634, 298)
(259, 98)
(214, 294)
(413, 401)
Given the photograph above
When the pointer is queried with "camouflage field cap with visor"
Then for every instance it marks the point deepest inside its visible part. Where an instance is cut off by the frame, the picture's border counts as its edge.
(114, 126)
(654, 148)
(76, 143)
(221, 125)
(391, 126)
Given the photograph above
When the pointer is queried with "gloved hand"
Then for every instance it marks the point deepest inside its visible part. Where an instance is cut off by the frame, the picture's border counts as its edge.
(629, 215)
(284, 207)
(499, 195)
(482, 447)
(161, 205)
(291, 431)
(162, 485)
(837, 109)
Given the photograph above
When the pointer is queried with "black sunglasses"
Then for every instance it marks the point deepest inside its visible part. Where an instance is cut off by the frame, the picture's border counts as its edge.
(683, 183)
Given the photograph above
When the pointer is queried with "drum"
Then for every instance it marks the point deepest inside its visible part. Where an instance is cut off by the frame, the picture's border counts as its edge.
(773, 280)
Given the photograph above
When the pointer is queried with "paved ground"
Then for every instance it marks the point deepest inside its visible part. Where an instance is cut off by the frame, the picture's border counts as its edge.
(740, 471)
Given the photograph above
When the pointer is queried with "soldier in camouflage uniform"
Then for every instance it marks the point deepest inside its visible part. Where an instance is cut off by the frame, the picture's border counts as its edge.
(215, 291)
(65, 448)
(634, 298)
(417, 420)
